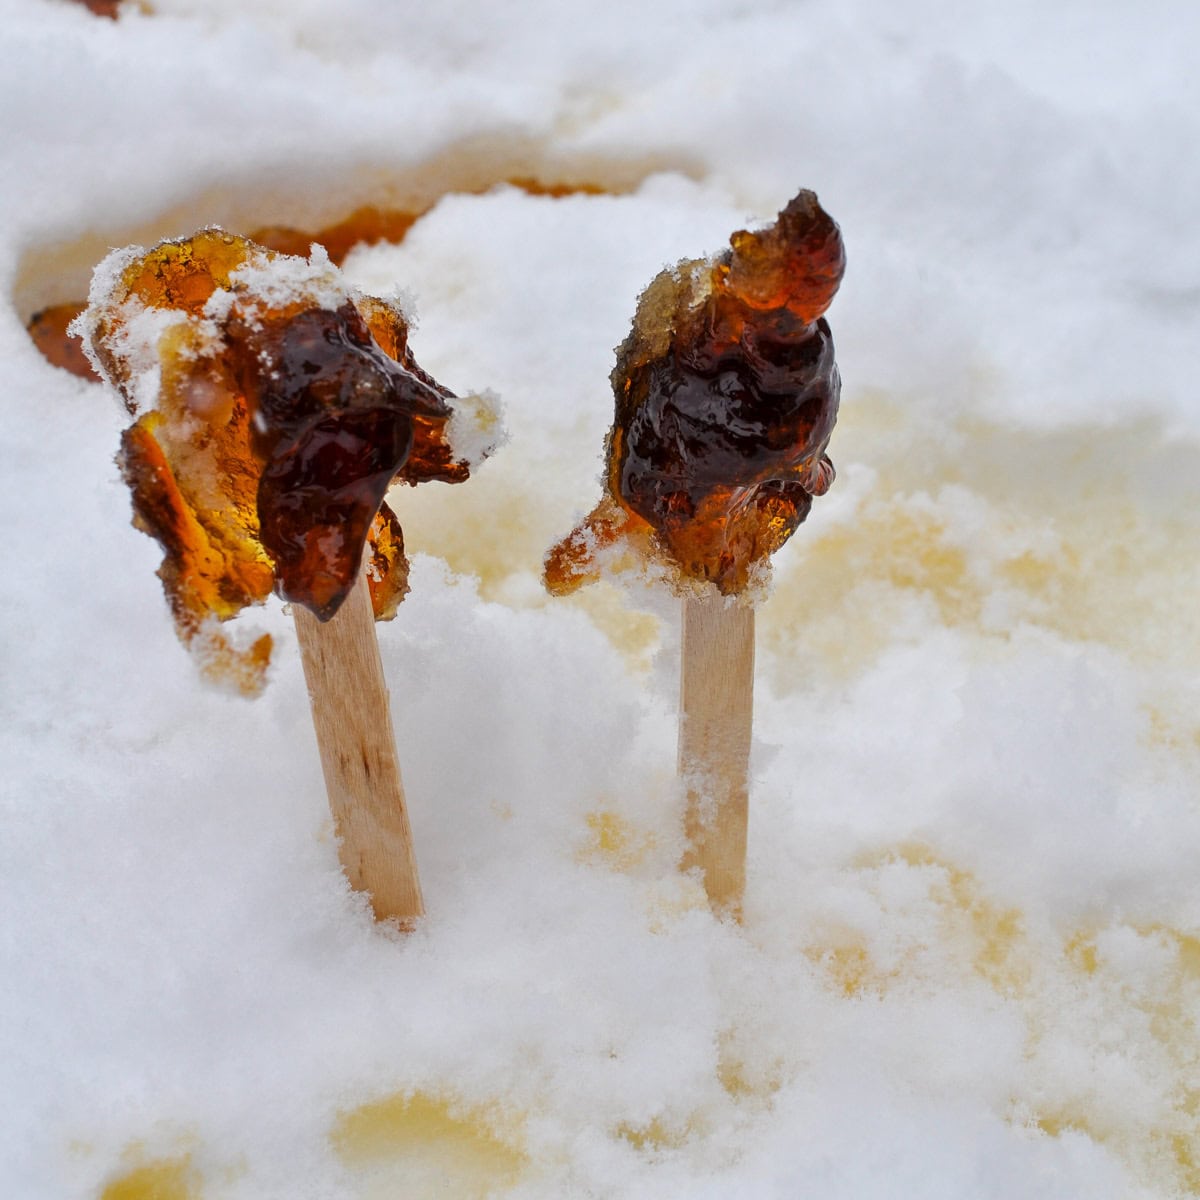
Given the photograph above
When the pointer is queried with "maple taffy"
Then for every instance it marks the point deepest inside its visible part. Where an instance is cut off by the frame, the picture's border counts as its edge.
(274, 407)
(726, 394)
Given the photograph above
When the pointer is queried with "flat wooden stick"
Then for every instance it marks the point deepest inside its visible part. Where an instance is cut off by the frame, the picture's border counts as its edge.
(716, 712)
(353, 723)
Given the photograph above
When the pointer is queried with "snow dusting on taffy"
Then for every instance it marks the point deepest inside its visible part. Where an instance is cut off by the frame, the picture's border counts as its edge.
(969, 963)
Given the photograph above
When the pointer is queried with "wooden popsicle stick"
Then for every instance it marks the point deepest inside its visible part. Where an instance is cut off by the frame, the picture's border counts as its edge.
(353, 723)
(716, 712)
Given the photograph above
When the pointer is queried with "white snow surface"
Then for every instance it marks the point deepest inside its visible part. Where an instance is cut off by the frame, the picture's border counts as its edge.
(970, 961)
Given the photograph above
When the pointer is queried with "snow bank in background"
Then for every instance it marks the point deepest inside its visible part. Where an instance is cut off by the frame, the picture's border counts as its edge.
(971, 959)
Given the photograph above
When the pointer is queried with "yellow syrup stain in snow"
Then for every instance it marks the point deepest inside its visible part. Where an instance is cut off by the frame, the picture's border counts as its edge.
(164, 1179)
(844, 958)
(982, 527)
(747, 1076)
(971, 932)
(1080, 951)
(633, 633)
(1111, 1015)
(614, 841)
(1138, 986)
(907, 550)
(655, 1134)
(1177, 731)
(421, 1146)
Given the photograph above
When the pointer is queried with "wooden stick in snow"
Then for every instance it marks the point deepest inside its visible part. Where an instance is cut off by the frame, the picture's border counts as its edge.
(353, 724)
(716, 709)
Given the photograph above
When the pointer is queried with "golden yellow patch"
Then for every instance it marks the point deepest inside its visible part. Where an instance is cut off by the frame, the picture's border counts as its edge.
(656, 1134)
(1159, 1000)
(986, 528)
(1176, 731)
(425, 1147)
(615, 841)
(989, 938)
(633, 633)
(166, 1179)
(1081, 952)
(743, 1081)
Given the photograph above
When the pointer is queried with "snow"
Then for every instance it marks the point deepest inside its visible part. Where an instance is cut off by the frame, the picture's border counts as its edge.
(970, 964)
(259, 281)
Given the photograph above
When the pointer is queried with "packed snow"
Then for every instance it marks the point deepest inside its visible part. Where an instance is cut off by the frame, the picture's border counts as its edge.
(970, 960)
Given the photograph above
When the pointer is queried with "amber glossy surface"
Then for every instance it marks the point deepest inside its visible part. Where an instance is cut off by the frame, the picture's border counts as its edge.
(366, 225)
(335, 420)
(278, 425)
(102, 8)
(48, 329)
(726, 394)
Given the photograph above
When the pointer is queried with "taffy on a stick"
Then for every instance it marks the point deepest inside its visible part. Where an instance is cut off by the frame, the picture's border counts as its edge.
(726, 396)
(274, 407)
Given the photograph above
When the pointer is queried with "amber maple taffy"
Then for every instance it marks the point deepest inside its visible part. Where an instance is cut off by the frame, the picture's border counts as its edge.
(274, 407)
(726, 394)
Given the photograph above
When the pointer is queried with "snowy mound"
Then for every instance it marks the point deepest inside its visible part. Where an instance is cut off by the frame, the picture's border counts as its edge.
(970, 961)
